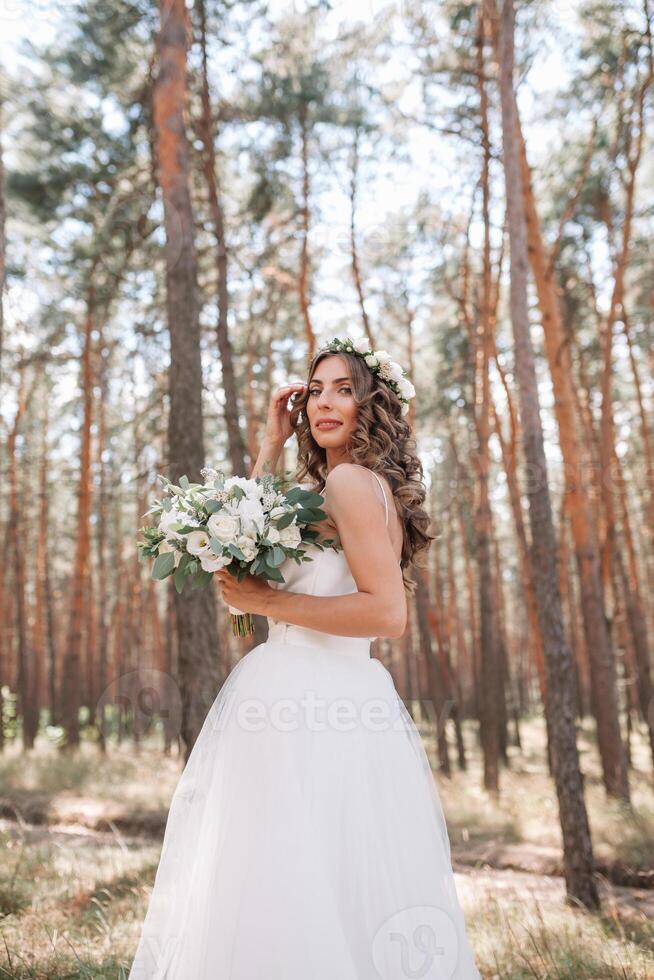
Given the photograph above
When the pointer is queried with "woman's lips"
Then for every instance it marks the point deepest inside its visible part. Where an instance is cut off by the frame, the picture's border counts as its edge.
(327, 425)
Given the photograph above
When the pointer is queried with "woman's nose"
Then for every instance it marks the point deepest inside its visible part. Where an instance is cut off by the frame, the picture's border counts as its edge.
(323, 398)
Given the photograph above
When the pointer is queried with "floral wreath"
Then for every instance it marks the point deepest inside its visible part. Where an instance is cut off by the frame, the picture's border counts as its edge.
(379, 362)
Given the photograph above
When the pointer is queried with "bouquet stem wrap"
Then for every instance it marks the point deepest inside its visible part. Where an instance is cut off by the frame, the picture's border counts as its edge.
(242, 623)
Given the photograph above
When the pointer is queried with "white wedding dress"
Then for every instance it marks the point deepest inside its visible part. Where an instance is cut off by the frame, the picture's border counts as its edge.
(305, 839)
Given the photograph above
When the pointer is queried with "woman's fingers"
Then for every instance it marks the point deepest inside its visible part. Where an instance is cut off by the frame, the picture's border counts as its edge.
(281, 396)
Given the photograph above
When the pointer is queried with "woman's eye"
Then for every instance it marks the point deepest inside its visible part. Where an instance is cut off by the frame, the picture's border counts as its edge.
(316, 391)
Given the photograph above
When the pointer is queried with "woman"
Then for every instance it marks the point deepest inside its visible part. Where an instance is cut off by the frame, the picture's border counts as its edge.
(306, 839)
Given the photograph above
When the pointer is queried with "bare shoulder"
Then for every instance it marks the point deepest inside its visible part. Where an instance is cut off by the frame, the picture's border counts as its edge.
(348, 477)
(352, 488)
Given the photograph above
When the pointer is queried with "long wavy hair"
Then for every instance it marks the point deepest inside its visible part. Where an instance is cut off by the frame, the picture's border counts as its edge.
(382, 441)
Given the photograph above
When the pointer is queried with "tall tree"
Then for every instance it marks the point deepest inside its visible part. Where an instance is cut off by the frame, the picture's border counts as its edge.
(205, 125)
(560, 698)
(574, 452)
(195, 609)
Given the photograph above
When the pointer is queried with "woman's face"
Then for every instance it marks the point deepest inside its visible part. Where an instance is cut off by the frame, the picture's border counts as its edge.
(330, 397)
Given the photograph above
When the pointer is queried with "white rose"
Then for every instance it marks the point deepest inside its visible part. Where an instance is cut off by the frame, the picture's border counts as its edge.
(395, 370)
(405, 408)
(361, 345)
(273, 535)
(383, 356)
(371, 360)
(213, 563)
(290, 537)
(247, 546)
(224, 526)
(197, 543)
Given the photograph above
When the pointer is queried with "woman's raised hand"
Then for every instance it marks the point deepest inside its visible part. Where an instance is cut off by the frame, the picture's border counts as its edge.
(278, 422)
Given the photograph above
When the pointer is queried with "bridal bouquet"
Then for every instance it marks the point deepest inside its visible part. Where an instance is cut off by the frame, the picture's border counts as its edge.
(248, 526)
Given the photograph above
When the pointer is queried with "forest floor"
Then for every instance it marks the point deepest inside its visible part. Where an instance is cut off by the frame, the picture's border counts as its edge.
(81, 837)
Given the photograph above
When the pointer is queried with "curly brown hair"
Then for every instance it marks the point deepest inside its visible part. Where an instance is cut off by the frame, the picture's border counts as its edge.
(382, 441)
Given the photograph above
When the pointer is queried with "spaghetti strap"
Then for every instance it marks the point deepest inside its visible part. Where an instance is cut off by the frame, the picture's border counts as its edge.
(383, 492)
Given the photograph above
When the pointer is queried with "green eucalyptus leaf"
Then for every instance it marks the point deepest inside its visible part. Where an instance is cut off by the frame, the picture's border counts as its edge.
(163, 565)
(201, 580)
(285, 520)
(276, 556)
(310, 516)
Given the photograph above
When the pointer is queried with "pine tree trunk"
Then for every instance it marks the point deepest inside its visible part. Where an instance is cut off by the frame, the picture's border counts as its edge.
(490, 680)
(234, 436)
(560, 702)
(303, 279)
(3, 247)
(598, 640)
(26, 682)
(436, 681)
(354, 254)
(199, 674)
(102, 558)
(71, 674)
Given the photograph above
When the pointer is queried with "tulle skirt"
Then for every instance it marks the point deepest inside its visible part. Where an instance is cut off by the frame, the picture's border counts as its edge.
(305, 839)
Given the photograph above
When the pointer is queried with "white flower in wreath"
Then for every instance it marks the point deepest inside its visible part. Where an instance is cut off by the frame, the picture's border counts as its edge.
(371, 361)
(394, 371)
(405, 408)
(273, 535)
(406, 388)
(383, 356)
(361, 345)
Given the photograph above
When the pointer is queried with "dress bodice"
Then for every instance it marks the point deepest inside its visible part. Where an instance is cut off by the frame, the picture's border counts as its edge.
(328, 573)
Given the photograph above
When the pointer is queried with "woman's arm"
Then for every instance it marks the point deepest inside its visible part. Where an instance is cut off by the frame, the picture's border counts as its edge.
(379, 607)
(278, 428)
(267, 459)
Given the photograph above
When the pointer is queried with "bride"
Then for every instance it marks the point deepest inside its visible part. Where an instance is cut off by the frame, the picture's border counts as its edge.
(305, 839)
